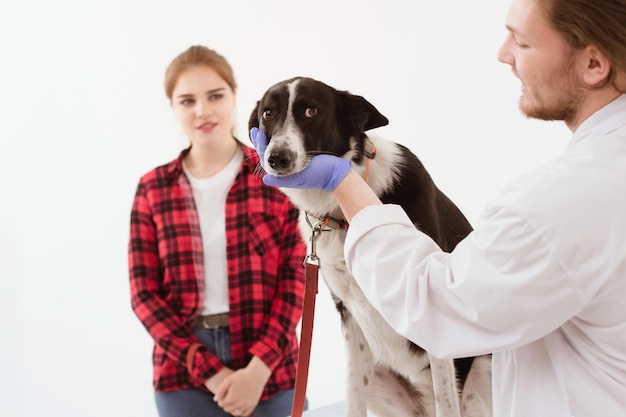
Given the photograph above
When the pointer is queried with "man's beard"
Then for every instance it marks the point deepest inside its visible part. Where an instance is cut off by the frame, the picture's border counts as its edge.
(563, 101)
(564, 107)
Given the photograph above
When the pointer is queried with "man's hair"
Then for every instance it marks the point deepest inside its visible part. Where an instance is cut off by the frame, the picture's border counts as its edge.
(601, 23)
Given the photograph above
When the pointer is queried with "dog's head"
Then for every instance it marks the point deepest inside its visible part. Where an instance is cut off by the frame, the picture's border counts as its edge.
(303, 117)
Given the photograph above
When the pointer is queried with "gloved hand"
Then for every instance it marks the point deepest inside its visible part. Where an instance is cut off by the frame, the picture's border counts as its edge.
(324, 172)
(259, 141)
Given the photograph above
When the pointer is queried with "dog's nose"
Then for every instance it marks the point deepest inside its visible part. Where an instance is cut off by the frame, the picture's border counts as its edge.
(280, 159)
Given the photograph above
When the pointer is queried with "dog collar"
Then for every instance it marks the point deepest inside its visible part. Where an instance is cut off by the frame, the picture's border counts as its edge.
(370, 152)
(329, 223)
(369, 149)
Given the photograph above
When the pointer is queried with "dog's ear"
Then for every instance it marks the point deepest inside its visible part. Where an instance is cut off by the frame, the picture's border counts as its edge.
(363, 114)
(254, 117)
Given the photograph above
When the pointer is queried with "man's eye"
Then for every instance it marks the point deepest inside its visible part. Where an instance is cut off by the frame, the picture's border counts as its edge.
(520, 44)
(268, 115)
(310, 112)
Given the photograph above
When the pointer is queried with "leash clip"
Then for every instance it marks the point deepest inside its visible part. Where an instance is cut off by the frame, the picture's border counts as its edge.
(312, 257)
(327, 224)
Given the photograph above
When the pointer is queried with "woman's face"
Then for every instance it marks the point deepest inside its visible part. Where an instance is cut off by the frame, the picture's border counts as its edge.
(204, 105)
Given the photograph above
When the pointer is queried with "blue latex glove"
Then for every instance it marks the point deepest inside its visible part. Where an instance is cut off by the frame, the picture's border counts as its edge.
(324, 172)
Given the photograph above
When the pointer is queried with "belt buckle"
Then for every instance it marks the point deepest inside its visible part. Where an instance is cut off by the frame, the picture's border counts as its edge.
(207, 326)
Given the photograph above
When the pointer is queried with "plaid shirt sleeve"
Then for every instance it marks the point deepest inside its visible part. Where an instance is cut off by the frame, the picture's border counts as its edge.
(164, 307)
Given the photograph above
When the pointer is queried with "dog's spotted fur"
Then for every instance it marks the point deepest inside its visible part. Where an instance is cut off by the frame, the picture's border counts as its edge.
(387, 373)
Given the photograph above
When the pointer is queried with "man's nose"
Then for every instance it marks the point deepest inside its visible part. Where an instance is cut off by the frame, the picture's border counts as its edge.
(504, 52)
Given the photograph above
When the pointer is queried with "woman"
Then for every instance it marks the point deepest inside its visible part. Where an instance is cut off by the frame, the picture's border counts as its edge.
(215, 261)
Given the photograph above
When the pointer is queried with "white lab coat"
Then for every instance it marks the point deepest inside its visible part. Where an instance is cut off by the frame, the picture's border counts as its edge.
(540, 282)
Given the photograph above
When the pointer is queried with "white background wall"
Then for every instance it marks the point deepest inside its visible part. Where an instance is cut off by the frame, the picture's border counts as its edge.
(83, 115)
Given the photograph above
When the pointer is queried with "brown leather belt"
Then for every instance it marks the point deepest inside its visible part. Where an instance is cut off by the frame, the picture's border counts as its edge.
(212, 321)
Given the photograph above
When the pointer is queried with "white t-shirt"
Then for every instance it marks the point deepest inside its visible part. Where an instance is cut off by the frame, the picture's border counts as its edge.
(540, 282)
(209, 195)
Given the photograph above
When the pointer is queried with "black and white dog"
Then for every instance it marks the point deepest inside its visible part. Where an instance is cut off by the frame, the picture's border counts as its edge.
(388, 374)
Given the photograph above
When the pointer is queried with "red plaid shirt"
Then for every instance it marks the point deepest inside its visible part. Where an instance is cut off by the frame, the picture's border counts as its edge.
(266, 278)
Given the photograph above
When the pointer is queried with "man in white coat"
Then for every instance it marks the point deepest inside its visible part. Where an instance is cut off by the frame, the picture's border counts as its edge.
(541, 281)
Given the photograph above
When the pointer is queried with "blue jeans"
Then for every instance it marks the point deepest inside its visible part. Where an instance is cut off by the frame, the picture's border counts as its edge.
(193, 402)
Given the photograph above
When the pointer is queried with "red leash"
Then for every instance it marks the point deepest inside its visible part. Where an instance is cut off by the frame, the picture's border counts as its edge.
(306, 335)
(312, 265)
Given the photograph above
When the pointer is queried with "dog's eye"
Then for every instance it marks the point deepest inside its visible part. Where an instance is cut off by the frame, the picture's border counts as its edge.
(310, 112)
(268, 115)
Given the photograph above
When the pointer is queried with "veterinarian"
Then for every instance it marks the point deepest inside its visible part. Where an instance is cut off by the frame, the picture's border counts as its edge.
(215, 261)
(541, 281)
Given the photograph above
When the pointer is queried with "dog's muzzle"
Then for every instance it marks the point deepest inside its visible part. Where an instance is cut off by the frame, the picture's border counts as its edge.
(281, 160)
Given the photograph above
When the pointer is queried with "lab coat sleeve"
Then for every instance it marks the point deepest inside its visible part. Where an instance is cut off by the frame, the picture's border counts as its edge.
(499, 289)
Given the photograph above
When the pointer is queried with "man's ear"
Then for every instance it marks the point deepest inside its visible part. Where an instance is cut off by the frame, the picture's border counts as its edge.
(595, 66)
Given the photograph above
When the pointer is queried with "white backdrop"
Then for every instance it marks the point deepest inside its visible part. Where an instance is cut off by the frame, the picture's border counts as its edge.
(83, 114)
